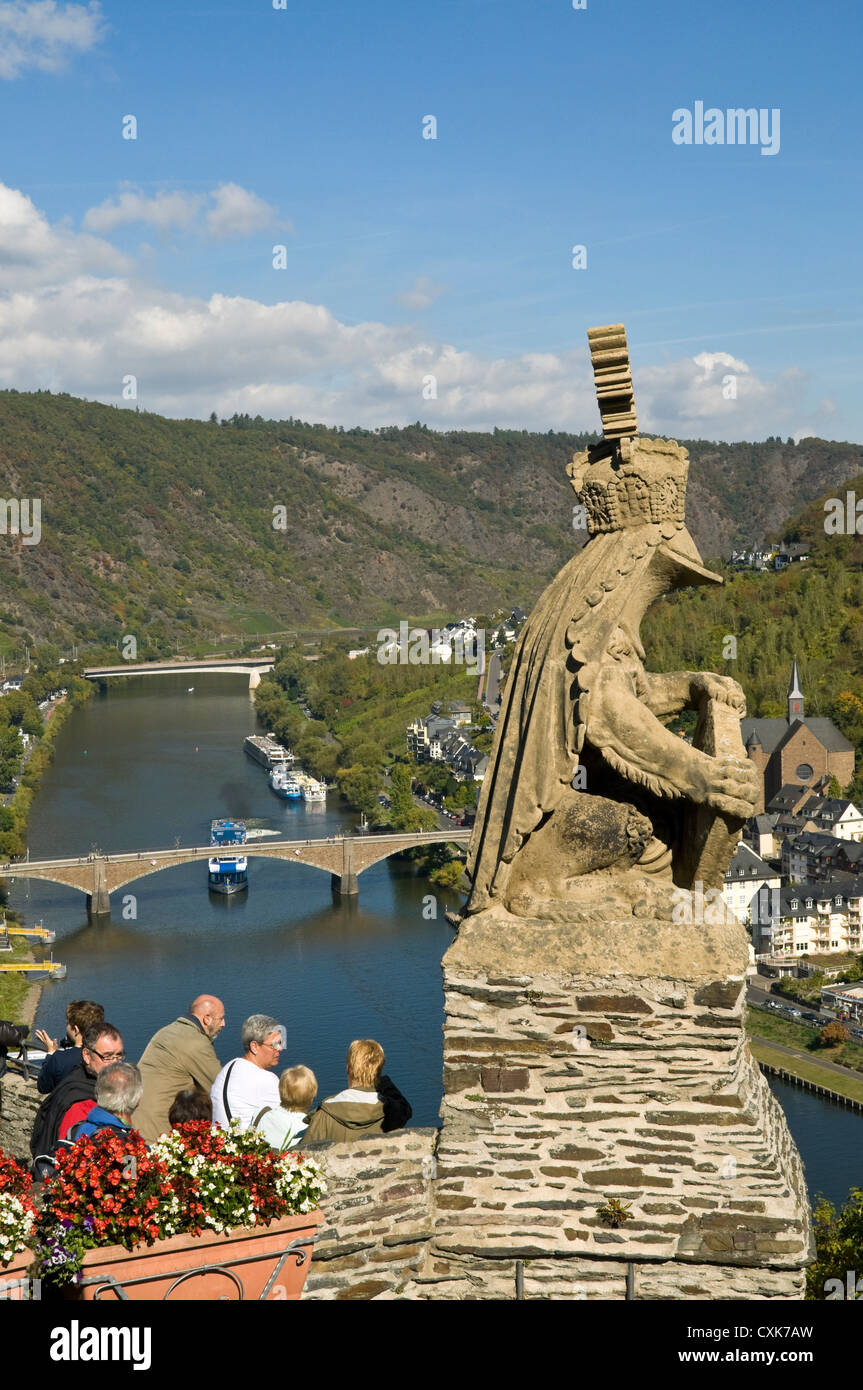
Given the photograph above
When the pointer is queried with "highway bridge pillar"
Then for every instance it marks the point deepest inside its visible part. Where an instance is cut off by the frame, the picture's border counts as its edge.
(99, 901)
(346, 882)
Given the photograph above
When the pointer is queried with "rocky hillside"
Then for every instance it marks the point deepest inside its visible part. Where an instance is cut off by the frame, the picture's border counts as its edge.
(164, 528)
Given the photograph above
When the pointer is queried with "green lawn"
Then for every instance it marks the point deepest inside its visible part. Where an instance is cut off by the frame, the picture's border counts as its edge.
(13, 986)
(773, 1028)
(257, 623)
(809, 1071)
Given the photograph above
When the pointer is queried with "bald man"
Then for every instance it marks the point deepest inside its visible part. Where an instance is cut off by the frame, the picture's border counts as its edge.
(180, 1056)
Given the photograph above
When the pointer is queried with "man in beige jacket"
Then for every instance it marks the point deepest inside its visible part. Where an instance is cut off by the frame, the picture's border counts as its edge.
(181, 1055)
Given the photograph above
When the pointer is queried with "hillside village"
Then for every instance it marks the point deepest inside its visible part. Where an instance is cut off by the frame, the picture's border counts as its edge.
(443, 737)
(796, 878)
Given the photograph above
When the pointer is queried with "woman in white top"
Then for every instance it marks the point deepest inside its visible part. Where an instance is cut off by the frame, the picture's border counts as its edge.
(284, 1125)
(246, 1085)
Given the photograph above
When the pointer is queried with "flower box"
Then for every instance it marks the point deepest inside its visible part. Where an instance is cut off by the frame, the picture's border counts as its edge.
(267, 1263)
(14, 1279)
(17, 1229)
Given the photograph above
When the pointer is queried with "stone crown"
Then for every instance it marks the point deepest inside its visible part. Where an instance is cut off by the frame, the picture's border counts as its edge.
(641, 481)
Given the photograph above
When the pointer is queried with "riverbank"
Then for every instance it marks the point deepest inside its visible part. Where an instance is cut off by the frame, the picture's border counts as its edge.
(826, 1074)
(39, 758)
(19, 997)
(14, 988)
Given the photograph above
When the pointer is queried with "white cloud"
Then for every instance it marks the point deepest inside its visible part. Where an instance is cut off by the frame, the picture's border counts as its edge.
(77, 316)
(163, 210)
(33, 253)
(716, 396)
(422, 293)
(229, 211)
(43, 35)
(236, 212)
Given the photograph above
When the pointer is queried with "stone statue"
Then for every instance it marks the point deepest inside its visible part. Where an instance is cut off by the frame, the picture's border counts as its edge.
(587, 793)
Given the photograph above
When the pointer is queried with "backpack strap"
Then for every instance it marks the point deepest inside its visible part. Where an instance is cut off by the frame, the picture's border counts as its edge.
(225, 1090)
(260, 1115)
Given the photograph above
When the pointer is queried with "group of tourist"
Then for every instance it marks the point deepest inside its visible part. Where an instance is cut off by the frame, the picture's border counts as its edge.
(89, 1086)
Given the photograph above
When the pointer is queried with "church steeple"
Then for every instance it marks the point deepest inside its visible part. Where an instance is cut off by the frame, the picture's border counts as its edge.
(795, 696)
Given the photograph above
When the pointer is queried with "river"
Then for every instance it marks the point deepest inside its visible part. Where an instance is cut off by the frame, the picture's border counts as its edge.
(148, 764)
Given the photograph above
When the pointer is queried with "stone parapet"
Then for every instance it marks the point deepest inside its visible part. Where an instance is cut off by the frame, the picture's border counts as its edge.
(573, 1097)
(378, 1215)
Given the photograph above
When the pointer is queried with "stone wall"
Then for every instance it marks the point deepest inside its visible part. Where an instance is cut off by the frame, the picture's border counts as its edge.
(379, 1215)
(565, 1093)
(19, 1101)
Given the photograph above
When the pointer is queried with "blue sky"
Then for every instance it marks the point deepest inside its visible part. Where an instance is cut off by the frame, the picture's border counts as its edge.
(409, 259)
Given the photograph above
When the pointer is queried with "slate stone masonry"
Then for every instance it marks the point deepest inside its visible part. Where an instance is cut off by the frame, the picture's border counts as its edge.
(564, 1094)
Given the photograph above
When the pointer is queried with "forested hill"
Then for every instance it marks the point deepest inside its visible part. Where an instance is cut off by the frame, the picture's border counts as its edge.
(158, 527)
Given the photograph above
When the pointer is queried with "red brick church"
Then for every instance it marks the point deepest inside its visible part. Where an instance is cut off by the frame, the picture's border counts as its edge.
(796, 749)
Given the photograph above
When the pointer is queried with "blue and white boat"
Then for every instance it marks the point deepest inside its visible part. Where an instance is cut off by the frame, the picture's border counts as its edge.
(285, 784)
(228, 868)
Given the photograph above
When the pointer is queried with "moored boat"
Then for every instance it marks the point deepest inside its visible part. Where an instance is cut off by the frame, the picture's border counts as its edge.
(267, 751)
(228, 869)
(285, 784)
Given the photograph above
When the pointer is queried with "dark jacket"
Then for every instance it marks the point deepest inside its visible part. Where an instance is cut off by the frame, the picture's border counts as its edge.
(78, 1084)
(55, 1067)
(353, 1113)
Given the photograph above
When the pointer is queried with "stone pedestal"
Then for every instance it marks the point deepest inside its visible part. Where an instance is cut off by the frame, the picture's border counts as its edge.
(596, 1067)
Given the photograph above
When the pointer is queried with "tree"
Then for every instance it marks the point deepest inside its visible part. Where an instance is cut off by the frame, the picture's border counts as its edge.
(404, 814)
(839, 1247)
(361, 787)
(834, 1034)
(448, 875)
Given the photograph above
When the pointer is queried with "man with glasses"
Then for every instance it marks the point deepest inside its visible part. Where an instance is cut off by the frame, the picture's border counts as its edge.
(74, 1097)
(246, 1086)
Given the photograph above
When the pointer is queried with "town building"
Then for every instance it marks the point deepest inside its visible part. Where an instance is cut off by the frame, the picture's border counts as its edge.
(440, 739)
(797, 750)
(809, 856)
(796, 808)
(750, 891)
(845, 999)
(456, 711)
(777, 557)
(819, 918)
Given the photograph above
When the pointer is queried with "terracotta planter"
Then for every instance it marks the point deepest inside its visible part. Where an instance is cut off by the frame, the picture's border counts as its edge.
(14, 1279)
(248, 1264)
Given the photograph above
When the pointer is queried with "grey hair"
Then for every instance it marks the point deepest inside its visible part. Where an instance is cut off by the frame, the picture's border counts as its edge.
(119, 1088)
(257, 1028)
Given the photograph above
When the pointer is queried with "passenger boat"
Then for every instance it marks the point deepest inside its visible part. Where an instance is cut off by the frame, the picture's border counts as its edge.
(285, 784)
(228, 868)
(267, 751)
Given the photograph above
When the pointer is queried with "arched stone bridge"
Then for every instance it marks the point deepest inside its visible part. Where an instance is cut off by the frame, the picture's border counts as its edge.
(343, 857)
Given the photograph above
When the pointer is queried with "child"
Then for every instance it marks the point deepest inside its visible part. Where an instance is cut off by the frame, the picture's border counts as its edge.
(283, 1127)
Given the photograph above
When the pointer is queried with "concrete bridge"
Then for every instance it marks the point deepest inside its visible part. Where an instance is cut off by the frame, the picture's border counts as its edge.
(255, 666)
(343, 857)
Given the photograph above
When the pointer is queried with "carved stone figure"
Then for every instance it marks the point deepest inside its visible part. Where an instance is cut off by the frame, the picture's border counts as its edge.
(588, 794)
